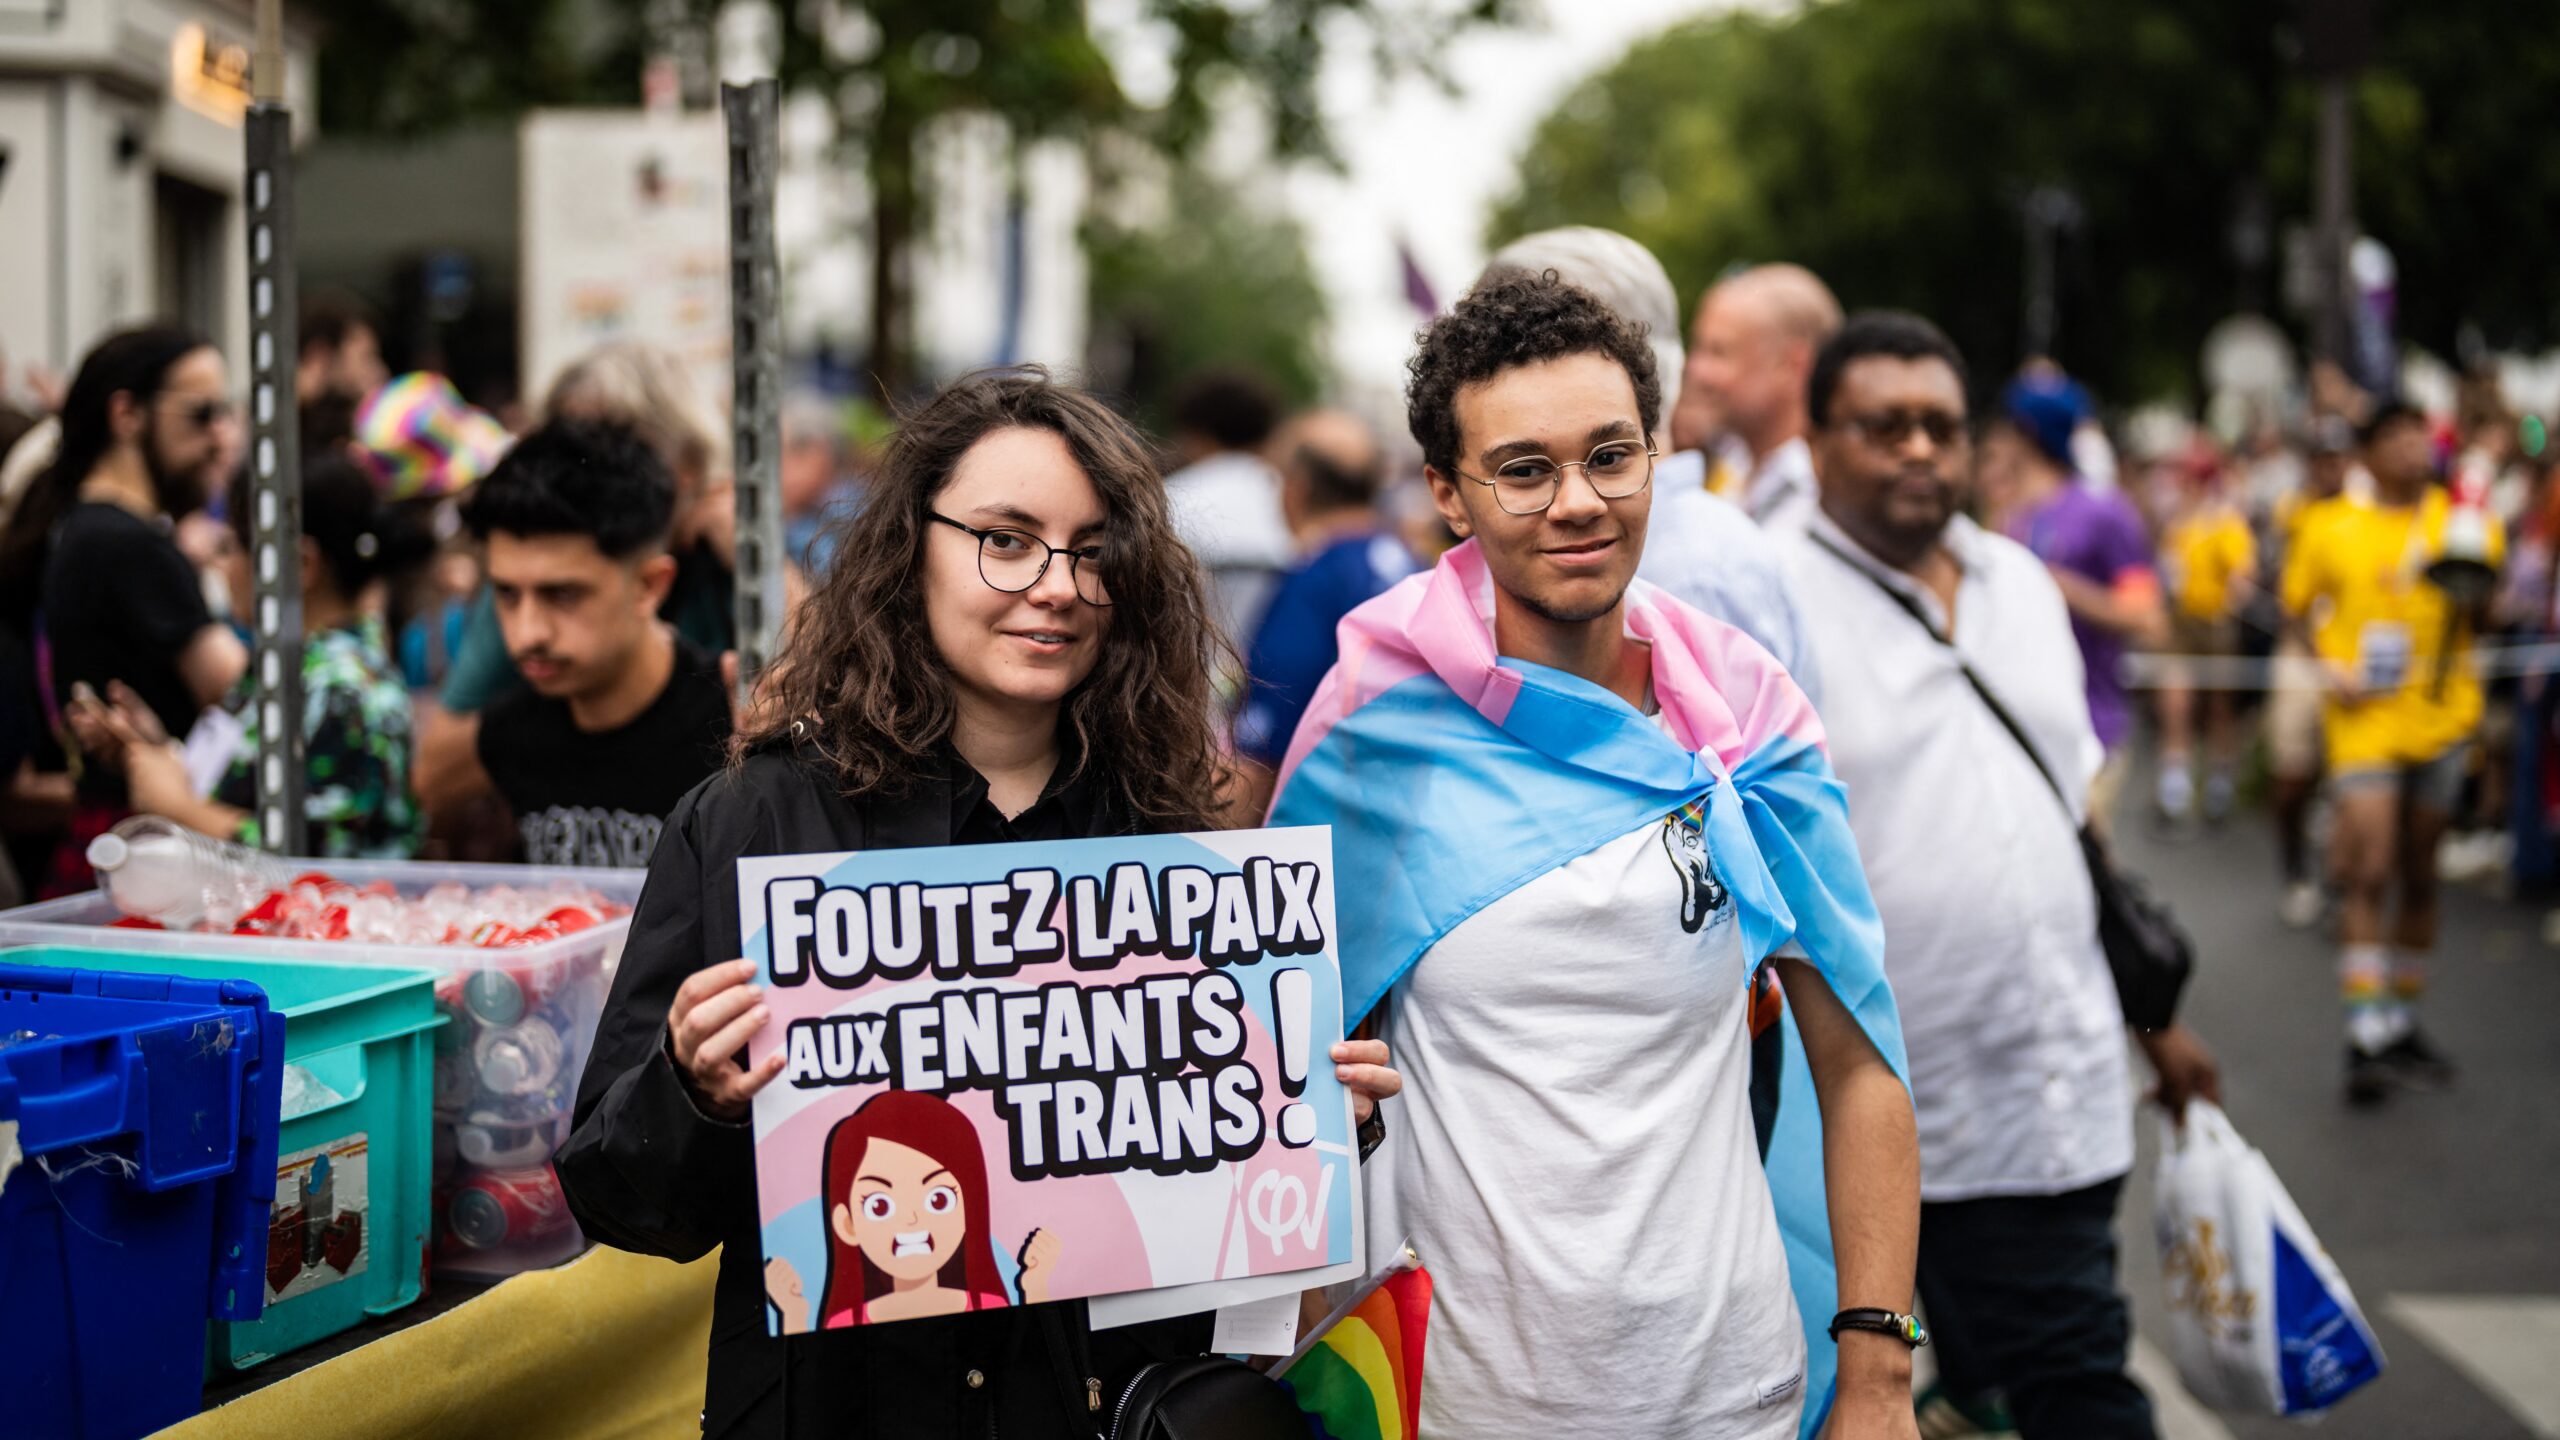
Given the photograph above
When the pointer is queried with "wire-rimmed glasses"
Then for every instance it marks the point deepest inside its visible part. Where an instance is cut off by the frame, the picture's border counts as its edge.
(1013, 560)
(1528, 484)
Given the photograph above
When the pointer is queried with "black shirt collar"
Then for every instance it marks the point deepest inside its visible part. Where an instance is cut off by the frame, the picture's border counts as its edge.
(1072, 805)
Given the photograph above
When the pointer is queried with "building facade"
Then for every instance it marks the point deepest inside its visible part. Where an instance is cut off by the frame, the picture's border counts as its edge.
(120, 169)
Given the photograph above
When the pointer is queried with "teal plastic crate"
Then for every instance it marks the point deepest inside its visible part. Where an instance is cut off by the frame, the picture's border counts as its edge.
(367, 1033)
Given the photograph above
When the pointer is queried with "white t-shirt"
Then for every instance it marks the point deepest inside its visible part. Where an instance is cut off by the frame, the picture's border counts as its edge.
(1573, 1157)
(2018, 1068)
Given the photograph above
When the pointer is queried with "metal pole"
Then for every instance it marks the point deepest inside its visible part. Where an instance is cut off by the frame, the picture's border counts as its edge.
(756, 354)
(275, 459)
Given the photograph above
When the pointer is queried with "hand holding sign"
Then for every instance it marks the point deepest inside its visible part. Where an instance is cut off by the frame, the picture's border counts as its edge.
(715, 1010)
(1362, 1067)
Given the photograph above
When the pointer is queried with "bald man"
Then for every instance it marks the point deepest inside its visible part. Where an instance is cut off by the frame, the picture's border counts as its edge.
(1332, 472)
(1750, 355)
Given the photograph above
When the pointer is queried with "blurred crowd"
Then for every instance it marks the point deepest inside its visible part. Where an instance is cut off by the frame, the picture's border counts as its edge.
(518, 645)
(457, 632)
(513, 643)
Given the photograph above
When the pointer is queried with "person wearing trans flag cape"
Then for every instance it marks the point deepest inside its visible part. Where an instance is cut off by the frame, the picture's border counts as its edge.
(1575, 819)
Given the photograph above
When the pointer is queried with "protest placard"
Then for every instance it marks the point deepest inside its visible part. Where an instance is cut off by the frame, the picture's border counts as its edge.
(1028, 1072)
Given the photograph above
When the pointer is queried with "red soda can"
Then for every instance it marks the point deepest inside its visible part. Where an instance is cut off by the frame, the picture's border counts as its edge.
(500, 994)
(570, 919)
(507, 1207)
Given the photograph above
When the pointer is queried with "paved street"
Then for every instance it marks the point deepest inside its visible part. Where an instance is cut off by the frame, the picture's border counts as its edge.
(2441, 1208)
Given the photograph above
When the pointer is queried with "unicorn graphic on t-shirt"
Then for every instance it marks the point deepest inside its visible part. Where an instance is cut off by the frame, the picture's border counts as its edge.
(1684, 839)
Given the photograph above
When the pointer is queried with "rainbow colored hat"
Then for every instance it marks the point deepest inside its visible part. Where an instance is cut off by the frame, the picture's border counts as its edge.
(419, 438)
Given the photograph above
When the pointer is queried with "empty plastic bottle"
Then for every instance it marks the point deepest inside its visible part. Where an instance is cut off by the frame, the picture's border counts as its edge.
(155, 869)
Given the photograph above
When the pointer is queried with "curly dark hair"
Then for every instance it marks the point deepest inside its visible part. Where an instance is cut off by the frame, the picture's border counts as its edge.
(860, 666)
(1514, 319)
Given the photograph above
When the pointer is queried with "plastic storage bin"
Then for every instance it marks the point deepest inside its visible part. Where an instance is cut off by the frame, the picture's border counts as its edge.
(507, 1063)
(146, 1110)
(351, 1224)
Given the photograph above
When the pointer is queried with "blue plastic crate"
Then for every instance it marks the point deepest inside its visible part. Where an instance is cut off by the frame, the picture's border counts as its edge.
(352, 1221)
(146, 1109)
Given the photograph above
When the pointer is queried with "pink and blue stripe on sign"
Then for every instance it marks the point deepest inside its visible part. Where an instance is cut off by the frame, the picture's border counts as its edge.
(1451, 776)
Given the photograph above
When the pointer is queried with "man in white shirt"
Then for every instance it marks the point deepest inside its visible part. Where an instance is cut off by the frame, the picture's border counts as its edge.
(1698, 545)
(1585, 816)
(1226, 497)
(1754, 345)
(2018, 1066)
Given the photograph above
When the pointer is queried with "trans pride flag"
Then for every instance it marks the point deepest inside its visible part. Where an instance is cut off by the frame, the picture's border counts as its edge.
(1451, 776)
(1362, 1378)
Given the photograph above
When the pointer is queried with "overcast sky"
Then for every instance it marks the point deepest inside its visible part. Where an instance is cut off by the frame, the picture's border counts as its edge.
(1420, 162)
(1429, 165)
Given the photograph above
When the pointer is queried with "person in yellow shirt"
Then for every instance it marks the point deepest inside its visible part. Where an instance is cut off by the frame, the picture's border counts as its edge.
(2294, 697)
(2211, 559)
(2403, 703)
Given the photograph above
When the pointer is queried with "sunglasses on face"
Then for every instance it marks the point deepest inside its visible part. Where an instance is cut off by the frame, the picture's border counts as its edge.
(200, 414)
(1893, 429)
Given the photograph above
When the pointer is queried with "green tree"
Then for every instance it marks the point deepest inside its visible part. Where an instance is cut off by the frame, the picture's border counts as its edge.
(889, 67)
(411, 67)
(1037, 65)
(1219, 283)
(1892, 147)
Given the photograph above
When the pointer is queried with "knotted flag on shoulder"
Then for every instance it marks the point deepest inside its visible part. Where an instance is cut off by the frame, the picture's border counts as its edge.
(1452, 776)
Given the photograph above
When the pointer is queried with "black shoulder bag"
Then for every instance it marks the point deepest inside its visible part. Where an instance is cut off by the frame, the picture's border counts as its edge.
(2148, 952)
(1198, 1397)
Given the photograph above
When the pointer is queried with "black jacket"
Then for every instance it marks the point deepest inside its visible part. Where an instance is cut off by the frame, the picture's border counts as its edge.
(646, 1171)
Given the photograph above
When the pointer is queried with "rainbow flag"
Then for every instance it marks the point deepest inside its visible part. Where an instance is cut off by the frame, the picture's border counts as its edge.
(1362, 1378)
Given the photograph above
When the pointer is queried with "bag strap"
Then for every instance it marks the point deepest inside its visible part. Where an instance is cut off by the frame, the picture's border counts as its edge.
(1981, 689)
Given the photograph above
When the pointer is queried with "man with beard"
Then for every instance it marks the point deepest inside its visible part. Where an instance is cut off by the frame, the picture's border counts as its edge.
(1920, 620)
(620, 715)
(146, 431)
(88, 556)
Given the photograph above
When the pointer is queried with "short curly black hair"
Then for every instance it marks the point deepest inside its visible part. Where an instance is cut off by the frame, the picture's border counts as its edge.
(1511, 320)
(578, 477)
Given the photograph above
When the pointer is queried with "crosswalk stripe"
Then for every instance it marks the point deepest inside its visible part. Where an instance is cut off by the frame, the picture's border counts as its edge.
(2502, 1343)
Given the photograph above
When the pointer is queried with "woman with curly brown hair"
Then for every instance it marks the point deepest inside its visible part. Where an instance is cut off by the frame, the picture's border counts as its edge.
(1012, 645)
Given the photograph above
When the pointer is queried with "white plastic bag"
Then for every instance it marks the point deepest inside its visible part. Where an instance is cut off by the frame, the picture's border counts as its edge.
(2260, 1321)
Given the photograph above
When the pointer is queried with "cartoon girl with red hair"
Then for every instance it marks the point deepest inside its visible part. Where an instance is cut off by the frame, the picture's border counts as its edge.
(907, 1222)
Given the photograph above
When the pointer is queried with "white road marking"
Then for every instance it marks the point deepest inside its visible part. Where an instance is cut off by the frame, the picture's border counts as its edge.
(2502, 1343)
